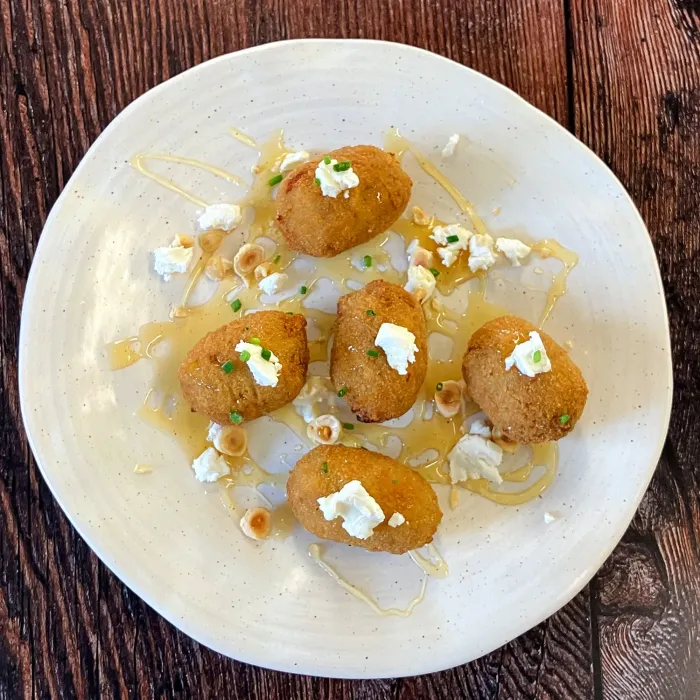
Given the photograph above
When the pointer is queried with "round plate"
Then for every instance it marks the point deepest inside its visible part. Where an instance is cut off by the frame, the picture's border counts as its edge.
(167, 536)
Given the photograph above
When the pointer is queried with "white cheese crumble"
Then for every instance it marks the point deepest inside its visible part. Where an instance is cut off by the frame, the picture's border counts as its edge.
(273, 283)
(291, 160)
(332, 182)
(224, 217)
(549, 517)
(210, 466)
(395, 520)
(359, 511)
(481, 253)
(317, 391)
(265, 372)
(513, 249)
(172, 259)
(417, 255)
(480, 427)
(451, 247)
(421, 283)
(530, 357)
(399, 344)
(450, 146)
(475, 457)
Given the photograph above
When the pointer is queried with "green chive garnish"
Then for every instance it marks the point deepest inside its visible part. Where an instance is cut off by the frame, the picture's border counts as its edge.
(324, 468)
(255, 341)
(303, 289)
(236, 305)
(275, 180)
(367, 260)
(348, 426)
(537, 356)
(452, 239)
(317, 182)
(340, 167)
(245, 356)
(394, 481)
(266, 354)
(227, 367)
(373, 353)
(564, 419)
(277, 259)
(438, 386)
(434, 272)
(370, 312)
(342, 392)
(235, 417)
(327, 160)
(290, 313)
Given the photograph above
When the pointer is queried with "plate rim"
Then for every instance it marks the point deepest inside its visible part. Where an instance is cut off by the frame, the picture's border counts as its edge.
(561, 598)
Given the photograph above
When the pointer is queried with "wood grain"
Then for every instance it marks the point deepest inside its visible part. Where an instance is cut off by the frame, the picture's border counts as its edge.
(622, 74)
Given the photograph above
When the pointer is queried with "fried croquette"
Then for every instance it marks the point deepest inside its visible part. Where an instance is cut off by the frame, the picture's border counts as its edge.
(526, 409)
(373, 389)
(394, 486)
(325, 226)
(217, 383)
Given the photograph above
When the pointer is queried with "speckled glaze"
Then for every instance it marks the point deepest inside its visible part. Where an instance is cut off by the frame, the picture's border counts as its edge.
(170, 538)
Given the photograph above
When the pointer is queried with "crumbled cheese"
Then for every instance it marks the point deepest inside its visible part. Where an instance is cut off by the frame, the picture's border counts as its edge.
(450, 250)
(359, 511)
(399, 344)
(549, 517)
(475, 457)
(417, 255)
(224, 217)
(333, 183)
(265, 372)
(395, 520)
(450, 146)
(513, 249)
(481, 253)
(214, 432)
(172, 259)
(523, 357)
(480, 427)
(210, 466)
(291, 160)
(273, 283)
(315, 392)
(421, 283)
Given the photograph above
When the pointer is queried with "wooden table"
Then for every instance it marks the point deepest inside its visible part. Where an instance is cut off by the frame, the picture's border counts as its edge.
(623, 75)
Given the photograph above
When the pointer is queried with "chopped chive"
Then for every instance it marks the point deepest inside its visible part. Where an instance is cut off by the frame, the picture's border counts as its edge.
(452, 239)
(370, 312)
(317, 182)
(327, 160)
(290, 313)
(373, 353)
(340, 167)
(367, 260)
(275, 180)
(277, 259)
(324, 468)
(227, 367)
(303, 289)
(438, 386)
(394, 481)
(266, 354)
(236, 305)
(255, 341)
(235, 417)
(564, 419)
(348, 426)
(537, 356)
(245, 356)
(434, 272)
(343, 391)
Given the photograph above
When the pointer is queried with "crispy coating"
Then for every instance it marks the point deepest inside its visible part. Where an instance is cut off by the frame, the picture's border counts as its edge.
(212, 392)
(325, 226)
(375, 391)
(395, 487)
(526, 409)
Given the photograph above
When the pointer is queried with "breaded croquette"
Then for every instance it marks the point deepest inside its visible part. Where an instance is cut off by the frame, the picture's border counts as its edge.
(218, 383)
(325, 226)
(373, 389)
(526, 409)
(395, 487)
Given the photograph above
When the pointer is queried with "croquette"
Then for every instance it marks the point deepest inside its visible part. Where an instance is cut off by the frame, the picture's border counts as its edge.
(374, 390)
(325, 226)
(396, 488)
(527, 409)
(215, 388)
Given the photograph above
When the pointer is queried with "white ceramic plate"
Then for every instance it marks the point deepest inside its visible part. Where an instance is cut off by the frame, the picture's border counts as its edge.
(171, 541)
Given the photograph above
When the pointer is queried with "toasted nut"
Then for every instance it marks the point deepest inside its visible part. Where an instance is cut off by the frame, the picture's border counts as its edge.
(183, 240)
(247, 259)
(211, 240)
(421, 257)
(325, 429)
(420, 217)
(263, 270)
(448, 400)
(231, 440)
(256, 523)
(218, 268)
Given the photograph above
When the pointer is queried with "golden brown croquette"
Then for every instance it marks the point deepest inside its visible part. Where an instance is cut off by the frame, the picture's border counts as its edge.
(213, 392)
(527, 409)
(396, 488)
(324, 226)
